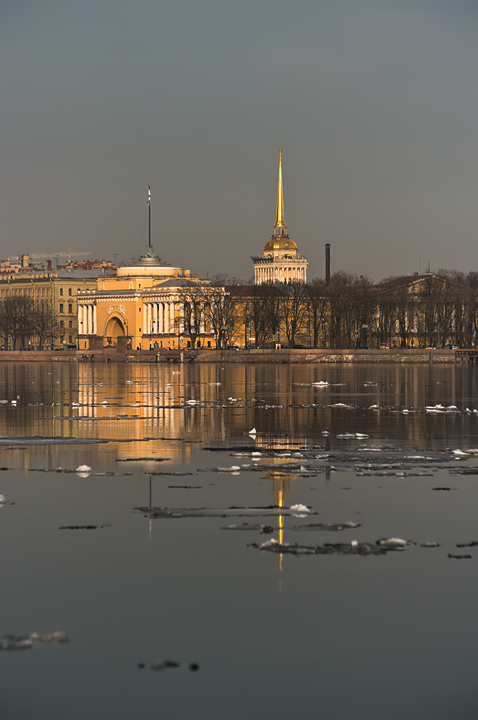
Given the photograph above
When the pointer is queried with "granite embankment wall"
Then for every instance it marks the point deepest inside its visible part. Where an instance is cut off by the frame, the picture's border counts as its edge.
(237, 356)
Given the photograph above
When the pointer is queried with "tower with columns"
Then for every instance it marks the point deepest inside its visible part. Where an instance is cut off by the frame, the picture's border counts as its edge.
(280, 261)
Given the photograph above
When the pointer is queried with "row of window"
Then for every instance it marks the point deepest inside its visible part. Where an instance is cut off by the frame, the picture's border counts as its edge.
(70, 307)
(70, 323)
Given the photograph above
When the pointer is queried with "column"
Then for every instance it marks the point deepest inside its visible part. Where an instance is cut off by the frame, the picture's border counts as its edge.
(181, 317)
(171, 318)
(161, 318)
(166, 318)
(155, 318)
(95, 321)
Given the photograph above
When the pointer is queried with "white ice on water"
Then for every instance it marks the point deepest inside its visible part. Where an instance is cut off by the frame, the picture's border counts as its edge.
(83, 470)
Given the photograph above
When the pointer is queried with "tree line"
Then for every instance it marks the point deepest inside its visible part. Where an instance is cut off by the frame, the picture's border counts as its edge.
(26, 323)
(432, 310)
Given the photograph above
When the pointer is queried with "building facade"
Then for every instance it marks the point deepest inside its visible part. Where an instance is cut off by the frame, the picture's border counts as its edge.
(49, 292)
(148, 304)
(280, 261)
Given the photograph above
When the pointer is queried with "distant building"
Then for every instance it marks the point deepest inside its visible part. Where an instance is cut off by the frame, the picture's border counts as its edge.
(58, 290)
(147, 304)
(280, 260)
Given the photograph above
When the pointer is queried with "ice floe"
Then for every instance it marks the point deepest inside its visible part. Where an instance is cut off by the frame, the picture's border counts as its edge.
(270, 511)
(351, 548)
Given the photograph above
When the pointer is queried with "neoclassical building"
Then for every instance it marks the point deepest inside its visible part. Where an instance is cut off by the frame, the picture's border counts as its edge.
(148, 303)
(280, 260)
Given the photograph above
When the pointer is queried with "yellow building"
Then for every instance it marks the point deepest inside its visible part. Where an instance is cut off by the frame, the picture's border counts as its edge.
(54, 290)
(280, 260)
(148, 304)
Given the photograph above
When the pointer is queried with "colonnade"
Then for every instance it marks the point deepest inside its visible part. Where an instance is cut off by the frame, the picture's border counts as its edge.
(167, 318)
(87, 321)
(273, 272)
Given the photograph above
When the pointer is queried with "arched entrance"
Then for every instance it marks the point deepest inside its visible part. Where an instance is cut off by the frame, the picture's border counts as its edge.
(114, 330)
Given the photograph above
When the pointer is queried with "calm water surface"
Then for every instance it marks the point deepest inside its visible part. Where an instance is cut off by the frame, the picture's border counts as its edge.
(391, 449)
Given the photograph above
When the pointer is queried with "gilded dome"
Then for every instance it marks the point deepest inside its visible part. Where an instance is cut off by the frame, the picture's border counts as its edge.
(281, 244)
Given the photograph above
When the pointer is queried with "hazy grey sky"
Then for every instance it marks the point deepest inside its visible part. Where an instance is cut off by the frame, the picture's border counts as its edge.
(374, 102)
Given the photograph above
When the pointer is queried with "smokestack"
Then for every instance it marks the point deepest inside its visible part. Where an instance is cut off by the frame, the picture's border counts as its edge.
(327, 263)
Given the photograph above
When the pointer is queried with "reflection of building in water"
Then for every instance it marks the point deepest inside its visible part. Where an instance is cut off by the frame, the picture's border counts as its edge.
(155, 401)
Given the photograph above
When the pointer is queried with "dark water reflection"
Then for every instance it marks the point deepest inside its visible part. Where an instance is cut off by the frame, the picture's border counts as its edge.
(391, 636)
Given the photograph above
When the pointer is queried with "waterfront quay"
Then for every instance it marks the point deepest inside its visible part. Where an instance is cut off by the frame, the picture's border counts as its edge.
(282, 356)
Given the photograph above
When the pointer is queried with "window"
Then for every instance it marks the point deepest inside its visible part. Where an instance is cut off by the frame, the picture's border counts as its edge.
(62, 323)
(69, 292)
(70, 324)
(70, 338)
(70, 307)
(61, 291)
(61, 307)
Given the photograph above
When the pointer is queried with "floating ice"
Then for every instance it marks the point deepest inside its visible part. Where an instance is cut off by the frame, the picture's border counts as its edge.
(271, 511)
(320, 383)
(164, 664)
(253, 431)
(3, 500)
(10, 642)
(299, 510)
(57, 636)
(83, 470)
(392, 542)
(351, 548)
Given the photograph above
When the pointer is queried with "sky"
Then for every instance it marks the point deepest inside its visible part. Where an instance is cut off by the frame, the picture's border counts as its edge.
(373, 102)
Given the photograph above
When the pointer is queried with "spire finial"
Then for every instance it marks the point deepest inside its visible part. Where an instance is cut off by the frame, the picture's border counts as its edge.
(280, 217)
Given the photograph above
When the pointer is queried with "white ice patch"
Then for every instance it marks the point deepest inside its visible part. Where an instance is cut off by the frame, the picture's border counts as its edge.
(83, 470)
(320, 383)
(392, 542)
(269, 543)
(299, 510)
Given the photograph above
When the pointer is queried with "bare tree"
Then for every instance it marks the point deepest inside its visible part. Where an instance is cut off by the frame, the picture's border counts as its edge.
(44, 322)
(317, 310)
(293, 309)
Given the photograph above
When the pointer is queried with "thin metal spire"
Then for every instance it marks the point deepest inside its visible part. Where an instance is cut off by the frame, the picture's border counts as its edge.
(149, 212)
(280, 217)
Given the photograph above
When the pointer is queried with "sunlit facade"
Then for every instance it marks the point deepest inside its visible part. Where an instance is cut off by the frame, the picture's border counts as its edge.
(146, 305)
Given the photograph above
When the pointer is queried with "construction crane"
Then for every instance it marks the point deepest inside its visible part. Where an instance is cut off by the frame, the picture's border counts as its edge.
(68, 254)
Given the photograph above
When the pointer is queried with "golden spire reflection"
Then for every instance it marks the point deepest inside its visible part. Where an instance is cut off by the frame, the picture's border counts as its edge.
(280, 216)
(280, 503)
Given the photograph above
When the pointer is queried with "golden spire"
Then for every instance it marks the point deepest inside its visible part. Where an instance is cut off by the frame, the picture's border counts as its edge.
(280, 218)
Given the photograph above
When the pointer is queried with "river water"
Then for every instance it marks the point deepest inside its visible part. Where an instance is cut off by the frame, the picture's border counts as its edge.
(260, 621)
